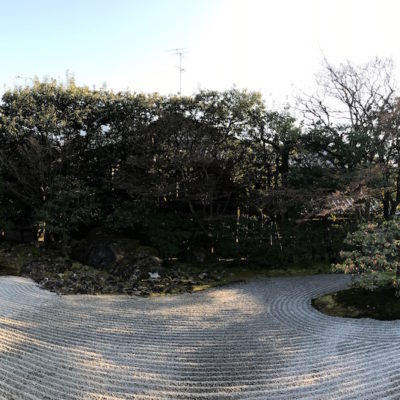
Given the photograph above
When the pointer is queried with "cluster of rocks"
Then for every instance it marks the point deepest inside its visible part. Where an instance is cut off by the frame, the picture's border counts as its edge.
(76, 278)
(106, 265)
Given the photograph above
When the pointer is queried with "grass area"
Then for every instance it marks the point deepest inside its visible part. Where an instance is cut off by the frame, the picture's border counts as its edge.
(380, 304)
(223, 274)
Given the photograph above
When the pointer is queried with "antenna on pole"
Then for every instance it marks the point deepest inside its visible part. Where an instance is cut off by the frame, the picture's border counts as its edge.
(180, 52)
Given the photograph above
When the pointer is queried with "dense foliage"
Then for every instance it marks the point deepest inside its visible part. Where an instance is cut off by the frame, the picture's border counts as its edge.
(211, 175)
(375, 255)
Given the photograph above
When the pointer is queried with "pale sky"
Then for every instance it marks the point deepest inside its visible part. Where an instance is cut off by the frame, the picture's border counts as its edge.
(275, 47)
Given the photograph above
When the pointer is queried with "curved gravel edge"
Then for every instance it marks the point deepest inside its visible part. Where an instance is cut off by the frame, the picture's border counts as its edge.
(257, 340)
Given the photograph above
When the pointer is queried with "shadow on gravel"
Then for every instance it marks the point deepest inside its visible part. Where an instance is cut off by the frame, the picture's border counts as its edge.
(219, 344)
(213, 345)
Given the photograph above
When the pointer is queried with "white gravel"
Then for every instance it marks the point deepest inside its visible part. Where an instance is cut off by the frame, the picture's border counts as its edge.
(259, 340)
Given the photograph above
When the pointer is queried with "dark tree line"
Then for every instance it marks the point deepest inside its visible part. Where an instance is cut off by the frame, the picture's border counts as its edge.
(215, 173)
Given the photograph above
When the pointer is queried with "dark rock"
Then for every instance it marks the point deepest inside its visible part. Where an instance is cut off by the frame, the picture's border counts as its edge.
(139, 268)
(128, 291)
(98, 254)
(117, 255)
(117, 267)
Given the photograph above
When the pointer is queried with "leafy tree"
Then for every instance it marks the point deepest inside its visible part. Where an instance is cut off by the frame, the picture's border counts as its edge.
(70, 206)
(46, 134)
(353, 123)
(187, 155)
(231, 170)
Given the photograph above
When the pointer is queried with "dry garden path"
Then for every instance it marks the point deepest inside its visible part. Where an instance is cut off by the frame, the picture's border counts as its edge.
(257, 340)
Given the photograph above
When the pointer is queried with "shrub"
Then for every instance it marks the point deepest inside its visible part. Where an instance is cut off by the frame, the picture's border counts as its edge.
(374, 255)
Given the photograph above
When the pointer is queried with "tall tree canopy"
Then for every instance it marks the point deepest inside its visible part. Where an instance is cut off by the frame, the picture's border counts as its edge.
(216, 171)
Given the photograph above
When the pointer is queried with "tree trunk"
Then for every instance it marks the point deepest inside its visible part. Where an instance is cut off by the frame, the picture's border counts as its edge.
(386, 205)
(284, 167)
(276, 174)
(269, 177)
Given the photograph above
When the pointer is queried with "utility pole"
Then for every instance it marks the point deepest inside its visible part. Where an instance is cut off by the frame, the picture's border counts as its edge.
(180, 52)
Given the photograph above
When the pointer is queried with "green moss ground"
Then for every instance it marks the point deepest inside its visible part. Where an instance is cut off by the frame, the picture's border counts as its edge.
(360, 303)
(12, 258)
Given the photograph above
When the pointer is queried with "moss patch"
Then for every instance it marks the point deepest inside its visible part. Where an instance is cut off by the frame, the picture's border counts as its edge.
(380, 304)
(223, 274)
(66, 276)
(12, 258)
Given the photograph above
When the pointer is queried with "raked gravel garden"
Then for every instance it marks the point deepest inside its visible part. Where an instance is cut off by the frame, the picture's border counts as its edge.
(254, 340)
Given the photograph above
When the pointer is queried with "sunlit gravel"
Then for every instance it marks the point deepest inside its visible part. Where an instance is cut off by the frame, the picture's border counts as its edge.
(257, 340)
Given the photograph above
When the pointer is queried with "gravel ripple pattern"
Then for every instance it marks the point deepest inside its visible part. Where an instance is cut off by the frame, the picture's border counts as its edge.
(257, 340)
